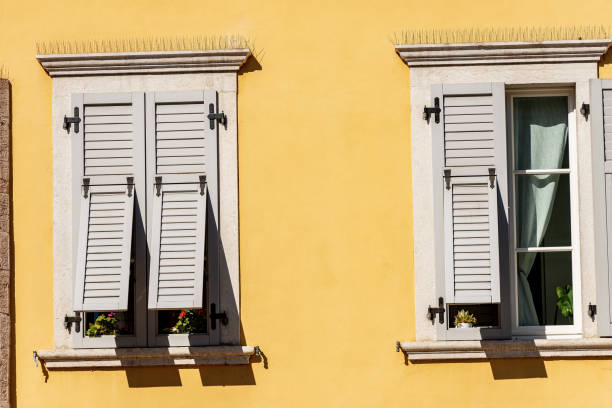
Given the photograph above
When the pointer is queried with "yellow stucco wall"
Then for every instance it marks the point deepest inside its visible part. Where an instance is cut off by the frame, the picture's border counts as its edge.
(325, 208)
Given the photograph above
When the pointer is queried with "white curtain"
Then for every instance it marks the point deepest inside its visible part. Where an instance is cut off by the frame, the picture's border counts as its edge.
(540, 137)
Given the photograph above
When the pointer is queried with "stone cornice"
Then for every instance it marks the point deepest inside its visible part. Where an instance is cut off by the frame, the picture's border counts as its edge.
(424, 55)
(139, 357)
(491, 349)
(155, 62)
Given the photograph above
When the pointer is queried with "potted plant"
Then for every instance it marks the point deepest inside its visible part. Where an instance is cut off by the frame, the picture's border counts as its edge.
(464, 319)
(105, 324)
(565, 302)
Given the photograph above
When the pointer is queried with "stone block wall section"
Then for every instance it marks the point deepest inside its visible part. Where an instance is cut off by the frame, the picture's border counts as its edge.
(5, 239)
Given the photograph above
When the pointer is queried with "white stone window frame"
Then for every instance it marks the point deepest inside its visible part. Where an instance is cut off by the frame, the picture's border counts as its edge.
(547, 64)
(144, 72)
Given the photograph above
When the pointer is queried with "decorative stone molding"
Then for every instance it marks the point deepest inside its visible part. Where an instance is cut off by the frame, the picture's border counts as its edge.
(485, 350)
(503, 52)
(143, 357)
(156, 62)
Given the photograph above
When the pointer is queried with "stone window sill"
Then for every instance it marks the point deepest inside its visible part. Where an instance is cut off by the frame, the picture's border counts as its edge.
(492, 349)
(142, 357)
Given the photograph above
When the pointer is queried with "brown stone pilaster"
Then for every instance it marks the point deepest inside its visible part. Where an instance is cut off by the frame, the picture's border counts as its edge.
(5, 242)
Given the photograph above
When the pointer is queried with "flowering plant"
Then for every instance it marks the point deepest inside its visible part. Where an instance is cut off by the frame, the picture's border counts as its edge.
(190, 321)
(104, 324)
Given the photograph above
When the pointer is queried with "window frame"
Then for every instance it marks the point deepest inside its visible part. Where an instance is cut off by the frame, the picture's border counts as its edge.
(546, 331)
(225, 83)
(507, 329)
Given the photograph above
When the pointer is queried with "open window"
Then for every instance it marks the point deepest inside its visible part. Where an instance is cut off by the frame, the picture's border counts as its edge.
(496, 156)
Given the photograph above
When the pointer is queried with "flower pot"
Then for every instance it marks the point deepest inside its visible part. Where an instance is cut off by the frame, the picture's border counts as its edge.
(464, 325)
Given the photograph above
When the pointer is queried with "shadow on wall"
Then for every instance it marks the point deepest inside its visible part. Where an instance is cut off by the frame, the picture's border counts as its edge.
(143, 377)
(518, 368)
(147, 377)
(605, 60)
(252, 64)
(503, 369)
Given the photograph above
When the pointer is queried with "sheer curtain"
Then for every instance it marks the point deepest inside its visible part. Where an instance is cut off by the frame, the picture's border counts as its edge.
(540, 138)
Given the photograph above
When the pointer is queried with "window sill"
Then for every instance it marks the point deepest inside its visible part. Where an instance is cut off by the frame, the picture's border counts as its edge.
(143, 357)
(492, 349)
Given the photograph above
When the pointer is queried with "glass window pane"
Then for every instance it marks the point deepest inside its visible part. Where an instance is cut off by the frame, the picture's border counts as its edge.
(181, 321)
(540, 132)
(545, 288)
(542, 210)
(109, 323)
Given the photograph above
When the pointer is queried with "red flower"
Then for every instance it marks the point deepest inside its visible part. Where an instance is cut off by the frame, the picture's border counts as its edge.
(182, 314)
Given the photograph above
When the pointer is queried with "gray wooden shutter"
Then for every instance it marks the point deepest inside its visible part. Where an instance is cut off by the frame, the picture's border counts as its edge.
(104, 162)
(470, 158)
(177, 247)
(182, 155)
(601, 147)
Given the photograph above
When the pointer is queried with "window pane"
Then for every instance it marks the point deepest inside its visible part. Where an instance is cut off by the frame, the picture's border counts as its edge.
(487, 315)
(181, 321)
(542, 210)
(544, 290)
(109, 323)
(540, 132)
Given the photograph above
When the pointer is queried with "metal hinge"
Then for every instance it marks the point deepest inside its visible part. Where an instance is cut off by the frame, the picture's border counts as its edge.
(433, 311)
(585, 110)
(72, 120)
(435, 110)
(202, 185)
(68, 320)
(214, 316)
(158, 185)
(85, 187)
(218, 117)
(447, 178)
(592, 311)
(130, 186)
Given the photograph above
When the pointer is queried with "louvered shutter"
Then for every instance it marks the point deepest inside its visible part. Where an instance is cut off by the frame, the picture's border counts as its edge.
(182, 155)
(177, 247)
(470, 144)
(601, 145)
(105, 165)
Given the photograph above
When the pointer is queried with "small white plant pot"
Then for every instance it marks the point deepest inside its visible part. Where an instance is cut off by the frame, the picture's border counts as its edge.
(465, 325)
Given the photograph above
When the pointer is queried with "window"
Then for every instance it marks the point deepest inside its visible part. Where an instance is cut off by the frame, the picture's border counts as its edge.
(126, 114)
(157, 215)
(506, 200)
(550, 233)
(545, 255)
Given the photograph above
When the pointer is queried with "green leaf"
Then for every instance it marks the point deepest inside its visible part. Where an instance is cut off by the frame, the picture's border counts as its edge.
(560, 291)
